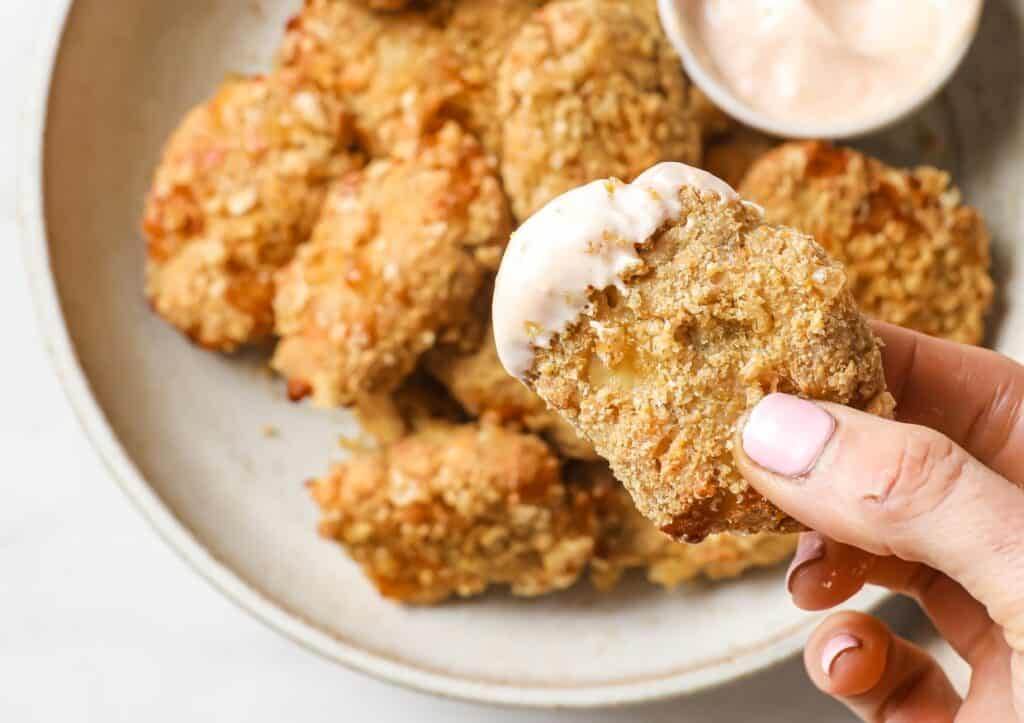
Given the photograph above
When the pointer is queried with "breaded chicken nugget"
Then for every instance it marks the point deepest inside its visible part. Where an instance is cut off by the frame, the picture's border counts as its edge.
(478, 381)
(627, 540)
(394, 70)
(712, 119)
(915, 255)
(239, 188)
(479, 32)
(451, 511)
(395, 261)
(589, 89)
(654, 315)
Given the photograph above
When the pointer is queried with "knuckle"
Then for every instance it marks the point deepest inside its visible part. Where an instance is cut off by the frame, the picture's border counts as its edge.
(927, 467)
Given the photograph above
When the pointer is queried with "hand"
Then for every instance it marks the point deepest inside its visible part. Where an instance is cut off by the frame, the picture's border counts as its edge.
(931, 506)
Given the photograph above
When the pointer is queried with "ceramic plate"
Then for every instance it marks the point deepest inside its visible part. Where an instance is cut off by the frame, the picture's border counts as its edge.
(183, 431)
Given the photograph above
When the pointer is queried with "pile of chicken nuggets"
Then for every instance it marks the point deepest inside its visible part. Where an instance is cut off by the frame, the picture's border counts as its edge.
(352, 206)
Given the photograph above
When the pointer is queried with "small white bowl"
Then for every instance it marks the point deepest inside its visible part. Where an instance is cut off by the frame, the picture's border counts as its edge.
(700, 69)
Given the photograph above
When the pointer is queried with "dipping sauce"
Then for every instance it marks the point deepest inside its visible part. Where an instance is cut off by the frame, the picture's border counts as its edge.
(585, 239)
(812, 62)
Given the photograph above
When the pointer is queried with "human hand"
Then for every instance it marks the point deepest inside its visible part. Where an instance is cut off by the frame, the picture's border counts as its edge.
(930, 506)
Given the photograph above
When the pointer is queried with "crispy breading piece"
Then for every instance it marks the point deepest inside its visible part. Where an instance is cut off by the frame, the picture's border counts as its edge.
(394, 264)
(722, 310)
(238, 189)
(730, 156)
(481, 385)
(451, 511)
(589, 89)
(627, 540)
(712, 119)
(479, 32)
(915, 255)
(394, 70)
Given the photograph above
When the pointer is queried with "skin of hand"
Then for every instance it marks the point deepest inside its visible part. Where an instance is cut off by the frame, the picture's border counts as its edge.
(930, 506)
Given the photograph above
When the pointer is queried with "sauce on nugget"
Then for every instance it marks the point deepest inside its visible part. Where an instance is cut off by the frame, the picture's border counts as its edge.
(542, 288)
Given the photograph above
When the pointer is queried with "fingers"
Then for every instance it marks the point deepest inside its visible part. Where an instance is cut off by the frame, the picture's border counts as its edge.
(880, 677)
(890, 489)
(825, 573)
(981, 394)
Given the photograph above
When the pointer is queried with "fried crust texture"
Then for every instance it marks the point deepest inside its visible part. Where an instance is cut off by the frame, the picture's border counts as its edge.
(238, 190)
(722, 310)
(450, 511)
(401, 250)
(589, 89)
(916, 256)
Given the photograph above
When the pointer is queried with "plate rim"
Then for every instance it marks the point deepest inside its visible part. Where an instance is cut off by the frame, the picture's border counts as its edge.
(35, 252)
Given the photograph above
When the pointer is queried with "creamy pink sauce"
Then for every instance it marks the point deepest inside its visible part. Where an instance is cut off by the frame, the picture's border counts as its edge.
(821, 61)
(585, 239)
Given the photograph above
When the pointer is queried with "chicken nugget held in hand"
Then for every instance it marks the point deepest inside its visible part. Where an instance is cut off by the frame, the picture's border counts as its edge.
(654, 315)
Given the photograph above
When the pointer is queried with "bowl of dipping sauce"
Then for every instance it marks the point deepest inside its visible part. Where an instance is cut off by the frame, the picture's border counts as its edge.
(820, 68)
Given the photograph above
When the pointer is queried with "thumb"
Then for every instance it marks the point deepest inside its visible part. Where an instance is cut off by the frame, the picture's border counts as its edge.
(891, 489)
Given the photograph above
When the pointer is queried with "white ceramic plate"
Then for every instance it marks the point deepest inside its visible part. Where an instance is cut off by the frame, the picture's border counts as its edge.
(182, 430)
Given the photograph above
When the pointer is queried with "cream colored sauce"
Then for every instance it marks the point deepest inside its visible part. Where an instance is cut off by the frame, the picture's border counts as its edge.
(821, 61)
(584, 239)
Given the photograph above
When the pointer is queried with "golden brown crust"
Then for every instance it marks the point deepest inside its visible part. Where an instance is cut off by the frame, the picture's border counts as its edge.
(724, 310)
(481, 385)
(627, 540)
(395, 261)
(451, 511)
(589, 89)
(237, 191)
(394, 70)
(915, 255)
(479, 33)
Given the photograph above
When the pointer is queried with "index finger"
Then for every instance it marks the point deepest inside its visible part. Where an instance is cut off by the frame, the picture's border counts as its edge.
(973, 396)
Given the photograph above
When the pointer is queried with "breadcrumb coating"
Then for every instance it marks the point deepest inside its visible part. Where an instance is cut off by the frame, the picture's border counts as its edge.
(589, 89)
(627, 540)
(723, 310)
(916, 256)
(451, 512)
(479, 32)
(396, 259)
(237, 191)
(481, 385)
(394, 70)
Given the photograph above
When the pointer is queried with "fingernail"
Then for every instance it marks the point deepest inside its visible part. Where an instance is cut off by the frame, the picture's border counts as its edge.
(810, 548)
(835, 647)
(786, 434)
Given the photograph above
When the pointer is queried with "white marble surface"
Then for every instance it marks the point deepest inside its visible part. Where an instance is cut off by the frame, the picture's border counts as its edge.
(102, 622)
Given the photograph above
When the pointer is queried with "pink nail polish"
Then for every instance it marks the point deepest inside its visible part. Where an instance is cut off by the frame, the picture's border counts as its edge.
(786, 434)
(811, 548)
(835, 647)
